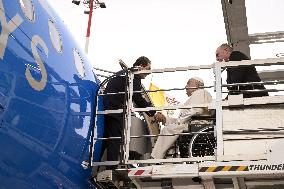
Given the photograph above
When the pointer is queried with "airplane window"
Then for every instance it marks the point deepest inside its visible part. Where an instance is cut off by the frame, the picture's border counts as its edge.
(28, 9)
(55, 36)
(79, 63)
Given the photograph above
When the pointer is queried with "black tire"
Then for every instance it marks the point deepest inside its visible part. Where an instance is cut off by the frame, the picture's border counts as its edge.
(203, 144)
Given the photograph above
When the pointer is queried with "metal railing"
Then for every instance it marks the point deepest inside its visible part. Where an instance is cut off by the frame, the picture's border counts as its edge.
(216, 105)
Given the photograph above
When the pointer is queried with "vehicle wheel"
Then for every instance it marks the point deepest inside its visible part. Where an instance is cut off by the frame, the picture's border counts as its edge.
(203, 144)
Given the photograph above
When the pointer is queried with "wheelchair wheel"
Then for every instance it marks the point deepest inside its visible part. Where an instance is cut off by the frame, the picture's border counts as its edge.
(203, 144)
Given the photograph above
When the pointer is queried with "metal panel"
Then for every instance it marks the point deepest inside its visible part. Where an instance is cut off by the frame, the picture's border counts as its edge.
(271, 75)
(234, 13)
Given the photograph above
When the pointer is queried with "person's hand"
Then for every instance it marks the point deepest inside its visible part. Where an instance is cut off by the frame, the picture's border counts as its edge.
(159, 117)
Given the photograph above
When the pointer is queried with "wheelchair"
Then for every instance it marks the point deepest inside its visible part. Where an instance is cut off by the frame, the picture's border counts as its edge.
(197, 144)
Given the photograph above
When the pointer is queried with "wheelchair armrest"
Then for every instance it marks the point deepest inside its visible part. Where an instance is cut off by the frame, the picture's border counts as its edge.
(210, 116)
(203, 117)
(198, 122)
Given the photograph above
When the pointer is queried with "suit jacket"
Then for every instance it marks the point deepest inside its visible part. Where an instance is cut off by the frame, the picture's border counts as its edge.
(116, 101)
(243, 74)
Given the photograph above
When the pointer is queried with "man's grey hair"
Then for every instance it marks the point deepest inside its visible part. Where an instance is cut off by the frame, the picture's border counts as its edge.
(227, 46)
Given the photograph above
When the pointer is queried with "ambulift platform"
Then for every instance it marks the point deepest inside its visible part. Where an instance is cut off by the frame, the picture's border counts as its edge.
(249, 153)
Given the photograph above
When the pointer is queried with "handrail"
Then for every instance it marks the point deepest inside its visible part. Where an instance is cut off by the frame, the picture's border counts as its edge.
(147, 109)
(217, 104)
(157, 90)
(255, 62)
(140, 136)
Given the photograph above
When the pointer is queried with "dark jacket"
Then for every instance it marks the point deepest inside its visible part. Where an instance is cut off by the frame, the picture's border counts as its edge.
(114, 122)
(117, 84)
(243, 74)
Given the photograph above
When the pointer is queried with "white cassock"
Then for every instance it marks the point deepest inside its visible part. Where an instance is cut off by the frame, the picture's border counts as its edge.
(178, 125)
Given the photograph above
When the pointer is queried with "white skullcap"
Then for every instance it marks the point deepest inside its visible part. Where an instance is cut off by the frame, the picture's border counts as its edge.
(198, 79)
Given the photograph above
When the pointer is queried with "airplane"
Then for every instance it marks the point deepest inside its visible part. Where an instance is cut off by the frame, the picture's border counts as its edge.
(47, 97)
(47, 100)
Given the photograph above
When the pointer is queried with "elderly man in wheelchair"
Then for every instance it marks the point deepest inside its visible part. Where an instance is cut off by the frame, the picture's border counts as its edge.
(189, 145)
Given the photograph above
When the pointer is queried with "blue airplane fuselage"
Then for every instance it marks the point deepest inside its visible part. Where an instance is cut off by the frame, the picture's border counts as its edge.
(47, 101)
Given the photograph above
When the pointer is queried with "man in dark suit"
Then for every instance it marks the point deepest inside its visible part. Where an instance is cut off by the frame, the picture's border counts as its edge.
(114, 122)
(240, 74)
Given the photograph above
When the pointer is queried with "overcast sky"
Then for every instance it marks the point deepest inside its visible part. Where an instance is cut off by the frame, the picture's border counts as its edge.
(170, 33)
